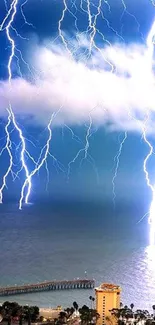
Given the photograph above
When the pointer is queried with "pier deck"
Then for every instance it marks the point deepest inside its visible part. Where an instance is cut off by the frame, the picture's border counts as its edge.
(47, 286)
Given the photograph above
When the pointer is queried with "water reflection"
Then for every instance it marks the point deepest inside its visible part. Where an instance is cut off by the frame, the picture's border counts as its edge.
(150, 259)
(148, 276)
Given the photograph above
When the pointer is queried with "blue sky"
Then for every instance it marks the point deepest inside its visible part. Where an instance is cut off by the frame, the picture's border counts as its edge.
(92, 178)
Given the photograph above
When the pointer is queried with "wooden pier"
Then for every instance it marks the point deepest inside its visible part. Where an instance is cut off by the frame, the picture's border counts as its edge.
(47, 286)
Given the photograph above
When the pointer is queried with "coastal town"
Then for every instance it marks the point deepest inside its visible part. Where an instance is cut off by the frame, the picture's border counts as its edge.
(104, 308)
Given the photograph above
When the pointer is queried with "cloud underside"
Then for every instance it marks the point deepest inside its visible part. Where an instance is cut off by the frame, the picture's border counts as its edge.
(115, 86)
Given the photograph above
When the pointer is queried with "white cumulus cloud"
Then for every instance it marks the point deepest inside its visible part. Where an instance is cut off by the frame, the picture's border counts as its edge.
(80, 88)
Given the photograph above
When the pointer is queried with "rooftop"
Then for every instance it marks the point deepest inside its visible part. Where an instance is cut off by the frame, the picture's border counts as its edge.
(108, 287)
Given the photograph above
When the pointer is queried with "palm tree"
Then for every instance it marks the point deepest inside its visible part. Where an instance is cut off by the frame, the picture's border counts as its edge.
(84, 315)
(69, 311)
(9, 310)
(62, 317)
(88, 315)
(26, 312)
(75, 305)
(153, 307)
(132, 306)
(94, 315)
(92, 299)
(30, 313)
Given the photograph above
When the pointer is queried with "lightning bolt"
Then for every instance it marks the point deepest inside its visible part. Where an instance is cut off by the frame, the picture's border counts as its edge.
(92, 30)
(7, 147)
(13, 9)
(39, 165)
(88, 134)
(93, 12)
(74, 136)
(151, 219)
(117, 159)
(7, 26)
(125, 10)
(57, 164)
(22, 12)
(151, 213)
(83, 150)
(65, 9)
(153, 2)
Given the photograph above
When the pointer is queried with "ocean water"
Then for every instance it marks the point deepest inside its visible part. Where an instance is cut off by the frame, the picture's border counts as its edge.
(74, 239)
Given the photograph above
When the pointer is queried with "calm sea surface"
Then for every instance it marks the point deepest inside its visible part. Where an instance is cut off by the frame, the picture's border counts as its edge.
(66, 241)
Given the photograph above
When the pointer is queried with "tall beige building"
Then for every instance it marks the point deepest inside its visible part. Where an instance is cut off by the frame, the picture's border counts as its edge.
(107, 298)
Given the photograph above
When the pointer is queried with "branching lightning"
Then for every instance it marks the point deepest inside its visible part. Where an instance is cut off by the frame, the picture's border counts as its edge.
(151, 219)
(92, 30)
(125, 10)
(22, 12)
(7, 147)
(65, 9)
(38, 166)
(117, 159)
(7, 26)
(92, 12)
(149, 60)
(153, 2)
(13, 9)
(84, 150)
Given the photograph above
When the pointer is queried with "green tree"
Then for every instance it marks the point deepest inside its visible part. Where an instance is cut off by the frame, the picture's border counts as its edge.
(75, 305)
(92, 299)
(88, 315)
(132, 306)
(9, 310)
(84, 315)
(62, 318)
(21, 319)
(41, 318)
(30, 314)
